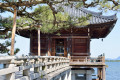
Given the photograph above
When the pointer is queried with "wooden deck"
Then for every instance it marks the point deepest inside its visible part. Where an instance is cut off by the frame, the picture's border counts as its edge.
(90, 62)
(87, 61)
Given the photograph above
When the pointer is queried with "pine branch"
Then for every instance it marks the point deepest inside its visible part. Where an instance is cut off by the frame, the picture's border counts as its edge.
(6, 9)
(2, 32)
(53, 11)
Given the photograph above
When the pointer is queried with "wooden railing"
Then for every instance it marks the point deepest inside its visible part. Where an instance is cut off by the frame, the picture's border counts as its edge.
(30, 67)
(87, 59)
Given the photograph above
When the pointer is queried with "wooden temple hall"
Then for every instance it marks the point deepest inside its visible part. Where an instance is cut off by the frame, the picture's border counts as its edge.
(74, 42)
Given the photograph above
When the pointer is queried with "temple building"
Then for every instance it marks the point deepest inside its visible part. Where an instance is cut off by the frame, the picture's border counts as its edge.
(74, 41)
(61, 55)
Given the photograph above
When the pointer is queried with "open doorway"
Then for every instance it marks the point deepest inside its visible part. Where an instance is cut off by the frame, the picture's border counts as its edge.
(59, 47)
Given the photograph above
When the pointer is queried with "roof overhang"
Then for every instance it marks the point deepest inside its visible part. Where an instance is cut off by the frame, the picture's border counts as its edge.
(96, 30)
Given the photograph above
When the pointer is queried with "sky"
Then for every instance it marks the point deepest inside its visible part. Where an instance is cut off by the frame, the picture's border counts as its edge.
(110, 45)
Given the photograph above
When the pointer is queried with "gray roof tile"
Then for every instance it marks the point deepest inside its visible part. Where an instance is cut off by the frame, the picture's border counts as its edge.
(96, 17)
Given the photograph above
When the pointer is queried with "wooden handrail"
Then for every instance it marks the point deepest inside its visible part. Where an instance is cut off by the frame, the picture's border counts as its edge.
(42, 65)
(87, 59)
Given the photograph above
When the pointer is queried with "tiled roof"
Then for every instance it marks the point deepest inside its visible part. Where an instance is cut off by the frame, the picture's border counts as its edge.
(96, 18)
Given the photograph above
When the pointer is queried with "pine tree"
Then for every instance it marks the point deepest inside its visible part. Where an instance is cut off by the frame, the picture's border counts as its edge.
(5, 35)
(46, 16)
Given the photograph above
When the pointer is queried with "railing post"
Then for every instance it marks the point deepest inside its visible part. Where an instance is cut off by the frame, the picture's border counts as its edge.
(58, 64)
(41, 67)
(50, 64)
(26, 72)
(10, 76)
(55, 63)
(36, 69)
(44, 68)
(103, 59)
(86, 59)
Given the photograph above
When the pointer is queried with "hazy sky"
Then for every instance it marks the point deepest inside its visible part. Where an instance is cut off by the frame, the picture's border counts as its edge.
(110, 45)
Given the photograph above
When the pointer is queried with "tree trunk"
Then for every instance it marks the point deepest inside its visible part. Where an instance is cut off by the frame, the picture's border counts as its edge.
(13, 32)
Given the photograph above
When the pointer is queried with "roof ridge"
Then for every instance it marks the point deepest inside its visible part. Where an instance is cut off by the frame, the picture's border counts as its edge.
(99, 14)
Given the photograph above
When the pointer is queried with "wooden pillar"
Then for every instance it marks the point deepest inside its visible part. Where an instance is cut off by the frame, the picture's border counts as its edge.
(101, 76)
(88, 43)
(103, 73)
(72, 42)
(31, 39)
(13, 31)
(39, 48)
(49, 47)
(68, 47)
(70, 50)
(65, 48)
(98, 73)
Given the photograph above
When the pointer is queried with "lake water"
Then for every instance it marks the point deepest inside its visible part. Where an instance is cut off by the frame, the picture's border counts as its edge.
(112, 71)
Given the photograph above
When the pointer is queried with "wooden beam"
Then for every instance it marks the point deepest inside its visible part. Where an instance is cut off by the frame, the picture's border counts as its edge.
(68, 37)
(13, 31)
(39, 49)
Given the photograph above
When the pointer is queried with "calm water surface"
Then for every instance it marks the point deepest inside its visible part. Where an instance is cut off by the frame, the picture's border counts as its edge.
(113, 71)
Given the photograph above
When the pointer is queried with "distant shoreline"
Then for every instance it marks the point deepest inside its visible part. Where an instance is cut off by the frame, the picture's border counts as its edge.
(112, 60)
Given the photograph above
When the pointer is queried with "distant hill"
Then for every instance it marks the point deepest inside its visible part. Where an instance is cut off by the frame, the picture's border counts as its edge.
(118, 58)
(113, 60)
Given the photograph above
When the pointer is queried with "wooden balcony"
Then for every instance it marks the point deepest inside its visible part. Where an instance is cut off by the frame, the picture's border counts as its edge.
(87, 61)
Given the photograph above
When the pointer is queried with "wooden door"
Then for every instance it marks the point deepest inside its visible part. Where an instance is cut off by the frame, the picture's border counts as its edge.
(79, 47)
